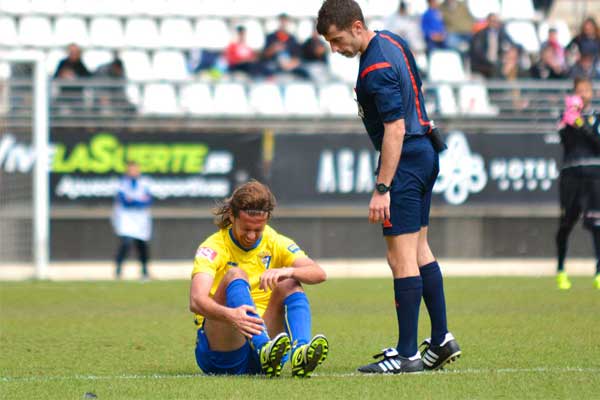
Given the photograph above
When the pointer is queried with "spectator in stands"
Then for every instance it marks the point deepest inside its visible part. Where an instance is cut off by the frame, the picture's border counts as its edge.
(585, 68)
(407, 27)
(459, 24)
(68, 71)
(433, 27)
(111, 99)
(488, 46)
(240, 56)
(131, 217)
(282, 51)
(551, 64)
(512, 70)
(73, 62)
(544, 6)
(314, 57)
(588, 40)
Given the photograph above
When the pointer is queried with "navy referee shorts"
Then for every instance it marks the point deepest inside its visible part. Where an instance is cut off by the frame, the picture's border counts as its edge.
(412, 187)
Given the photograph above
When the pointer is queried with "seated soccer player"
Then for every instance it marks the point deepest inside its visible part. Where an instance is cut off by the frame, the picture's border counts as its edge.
(247, 294)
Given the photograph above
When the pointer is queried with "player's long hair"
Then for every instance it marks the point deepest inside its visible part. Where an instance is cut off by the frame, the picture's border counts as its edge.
(252, 197)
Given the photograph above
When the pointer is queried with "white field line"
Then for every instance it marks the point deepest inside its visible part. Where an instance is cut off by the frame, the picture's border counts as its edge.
(469, 371)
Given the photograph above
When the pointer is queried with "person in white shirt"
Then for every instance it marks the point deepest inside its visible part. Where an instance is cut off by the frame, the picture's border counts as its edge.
(131, 218)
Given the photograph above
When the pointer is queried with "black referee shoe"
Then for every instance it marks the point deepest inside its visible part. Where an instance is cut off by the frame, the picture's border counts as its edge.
(435, 357)
(392, 363)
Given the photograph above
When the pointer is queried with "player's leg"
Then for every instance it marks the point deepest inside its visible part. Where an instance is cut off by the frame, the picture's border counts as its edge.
(570, 210)
(222, 349)
(402, 259)
(124, 244)
(441, 348)
(592, 220)
(289, 310)
(142, 249)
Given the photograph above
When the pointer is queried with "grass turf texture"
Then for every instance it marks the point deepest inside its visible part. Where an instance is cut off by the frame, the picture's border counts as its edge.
(521, 338)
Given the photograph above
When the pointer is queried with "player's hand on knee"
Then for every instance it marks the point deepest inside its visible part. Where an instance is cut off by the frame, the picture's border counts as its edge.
(271, 277)
(247, 324)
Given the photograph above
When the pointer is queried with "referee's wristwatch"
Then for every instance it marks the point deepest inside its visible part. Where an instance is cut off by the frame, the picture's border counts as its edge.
(382, 188)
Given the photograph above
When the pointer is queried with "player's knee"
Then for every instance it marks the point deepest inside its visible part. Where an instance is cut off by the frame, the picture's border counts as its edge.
(235, 273)
(287, 287)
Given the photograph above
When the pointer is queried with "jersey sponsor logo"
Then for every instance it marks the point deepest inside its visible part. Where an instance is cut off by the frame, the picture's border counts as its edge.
(293, 248)
(206, 252)
(232, 264)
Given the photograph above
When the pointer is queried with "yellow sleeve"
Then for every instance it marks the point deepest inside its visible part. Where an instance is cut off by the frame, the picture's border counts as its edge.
(286, 251)
(208, 258)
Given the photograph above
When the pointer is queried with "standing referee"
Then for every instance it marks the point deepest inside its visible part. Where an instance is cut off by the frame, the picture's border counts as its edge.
(391, 105)
(579, 180)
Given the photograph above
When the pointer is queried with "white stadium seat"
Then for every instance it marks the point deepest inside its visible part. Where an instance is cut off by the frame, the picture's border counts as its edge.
(344, 68)
(446, 66)
(230, 99)
(474, 100)
(115, 8)
(376, 24)
(380, 8)
(564, 34)
(154, 8)
(137, 65)
(169, 65)
(134, 94)
(53, 57)
(480, 9)
(196, 98)
(524, 33)
(266, 99)
(35, 31)
(260, 9)
(95, 58)
(337, 99)
(8, 32)
(220, 8)
(106, 32)
(16, 7)
(70, 30)
(304, 29)
(212, 34)
(255, 35)
(517, 9)
(160, 98)
(177, 33)
(446, 100)
(48, 7)
(141, 32)
(301, 99)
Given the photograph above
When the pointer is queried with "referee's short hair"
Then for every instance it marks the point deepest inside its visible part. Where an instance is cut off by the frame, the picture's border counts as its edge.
(341, 13)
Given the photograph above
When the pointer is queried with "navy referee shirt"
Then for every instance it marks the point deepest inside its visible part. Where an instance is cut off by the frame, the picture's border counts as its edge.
(388, 88)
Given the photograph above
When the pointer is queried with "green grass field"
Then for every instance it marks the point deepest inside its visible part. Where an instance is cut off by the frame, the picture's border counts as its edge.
(521, 338)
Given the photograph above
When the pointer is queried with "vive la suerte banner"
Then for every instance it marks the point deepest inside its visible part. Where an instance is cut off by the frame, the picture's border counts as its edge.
(180, 166)
(475, 169)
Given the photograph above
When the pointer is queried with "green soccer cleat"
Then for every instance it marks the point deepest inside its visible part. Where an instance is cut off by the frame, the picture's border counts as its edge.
(308, 356)
(562, 281)
(272, 353)
(597, 281)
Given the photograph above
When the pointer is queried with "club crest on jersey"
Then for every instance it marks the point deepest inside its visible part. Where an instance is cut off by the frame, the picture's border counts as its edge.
(293, 248)
(206, 252)
(265, 259)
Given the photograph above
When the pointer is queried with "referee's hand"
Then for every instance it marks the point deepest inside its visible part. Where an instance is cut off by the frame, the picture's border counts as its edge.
(379, 207)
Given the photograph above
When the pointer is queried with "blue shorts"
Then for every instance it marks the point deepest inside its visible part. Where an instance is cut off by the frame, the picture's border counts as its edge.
(238, 362)
(412, 187)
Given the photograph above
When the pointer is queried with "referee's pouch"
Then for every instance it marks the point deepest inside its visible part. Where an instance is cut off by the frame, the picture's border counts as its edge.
(436, 139)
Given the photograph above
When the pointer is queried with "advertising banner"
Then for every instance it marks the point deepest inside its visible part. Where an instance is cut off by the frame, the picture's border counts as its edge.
(181, 167)
(476, 169)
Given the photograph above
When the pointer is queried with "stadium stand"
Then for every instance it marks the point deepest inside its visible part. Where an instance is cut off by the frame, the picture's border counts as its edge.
(156, 40)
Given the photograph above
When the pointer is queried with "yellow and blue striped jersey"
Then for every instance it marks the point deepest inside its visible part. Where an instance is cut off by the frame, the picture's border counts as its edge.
(220, 252)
